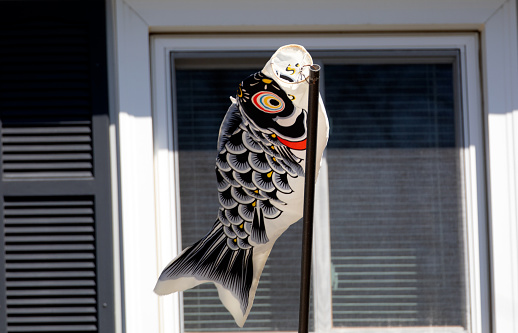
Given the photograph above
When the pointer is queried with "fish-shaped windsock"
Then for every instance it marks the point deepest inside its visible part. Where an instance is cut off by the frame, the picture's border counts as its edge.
(260, 182)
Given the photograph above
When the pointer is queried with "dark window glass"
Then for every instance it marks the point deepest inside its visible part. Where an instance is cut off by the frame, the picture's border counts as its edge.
(397, 235)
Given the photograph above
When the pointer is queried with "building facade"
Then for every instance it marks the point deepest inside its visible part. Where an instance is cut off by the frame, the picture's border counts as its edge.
(110, 113)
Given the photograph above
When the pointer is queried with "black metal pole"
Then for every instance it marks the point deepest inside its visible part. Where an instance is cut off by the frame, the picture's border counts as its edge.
(309, 197)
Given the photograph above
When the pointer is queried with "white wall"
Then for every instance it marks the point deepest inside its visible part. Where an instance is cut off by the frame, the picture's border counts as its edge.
(133, 21)
(271, 15)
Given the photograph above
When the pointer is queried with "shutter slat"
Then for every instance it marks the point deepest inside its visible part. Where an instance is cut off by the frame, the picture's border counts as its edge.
(49, 228)
(49, 239)
(49, 175)
(50, 256)
(50, 292)
(51, 283)
(51, 265)
(49, 247)
(48, 203)
(44, 119)
(46, 148)
(54, 319)
(53, 229)
(46, 166)
(47, 130)
(50, 211)
(49, 157)
(51, 328)
(18, 219)
(50, 274)
(45, 139)
(54, 310)
(54, 220)
(51, 302)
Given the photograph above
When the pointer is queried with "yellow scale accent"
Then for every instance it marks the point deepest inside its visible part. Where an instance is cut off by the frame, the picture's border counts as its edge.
(241, 226)
(273, 147)
(274, 159)
(267, 81)
(235, 240)
(274, 136)
(254, 203)
(269, 174)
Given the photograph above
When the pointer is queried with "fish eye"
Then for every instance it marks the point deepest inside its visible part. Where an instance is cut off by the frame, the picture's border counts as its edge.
(268, 102)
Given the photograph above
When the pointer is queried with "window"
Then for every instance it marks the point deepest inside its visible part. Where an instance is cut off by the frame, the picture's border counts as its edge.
(394, 222)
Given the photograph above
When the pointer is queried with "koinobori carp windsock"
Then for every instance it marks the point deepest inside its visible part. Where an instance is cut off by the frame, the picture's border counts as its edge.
(260, 182)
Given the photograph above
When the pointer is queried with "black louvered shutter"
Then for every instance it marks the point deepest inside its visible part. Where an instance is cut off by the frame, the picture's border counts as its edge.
(56, 266)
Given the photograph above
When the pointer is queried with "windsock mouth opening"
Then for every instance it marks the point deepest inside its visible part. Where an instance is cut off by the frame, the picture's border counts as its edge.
(291, 63)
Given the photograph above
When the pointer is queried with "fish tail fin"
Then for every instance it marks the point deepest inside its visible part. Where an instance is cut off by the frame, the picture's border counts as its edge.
(211, 260)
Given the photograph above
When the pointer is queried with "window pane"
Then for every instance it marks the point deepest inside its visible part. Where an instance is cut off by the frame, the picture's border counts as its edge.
(397, 229)
(202, 101)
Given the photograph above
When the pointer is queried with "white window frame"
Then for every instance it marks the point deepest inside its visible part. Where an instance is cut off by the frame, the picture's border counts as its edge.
(472, 157)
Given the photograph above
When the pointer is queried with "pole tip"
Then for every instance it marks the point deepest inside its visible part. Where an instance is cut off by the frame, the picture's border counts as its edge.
(314, 74)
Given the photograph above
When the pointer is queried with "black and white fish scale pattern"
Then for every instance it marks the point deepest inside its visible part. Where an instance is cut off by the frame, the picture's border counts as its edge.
(252, 167)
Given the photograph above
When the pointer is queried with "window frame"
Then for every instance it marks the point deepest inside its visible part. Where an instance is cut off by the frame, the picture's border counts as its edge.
(166, 156)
